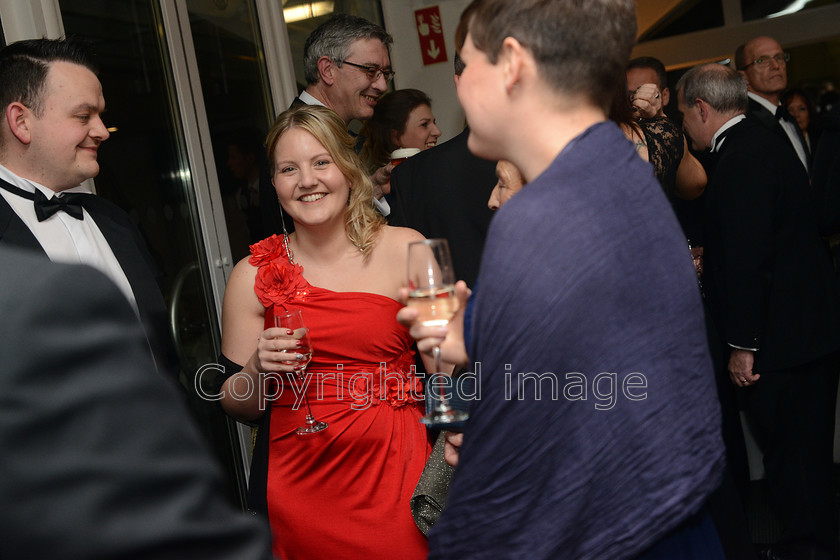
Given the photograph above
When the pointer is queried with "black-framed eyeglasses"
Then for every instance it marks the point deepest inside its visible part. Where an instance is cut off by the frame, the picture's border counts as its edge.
(761, 61)
(372, 72)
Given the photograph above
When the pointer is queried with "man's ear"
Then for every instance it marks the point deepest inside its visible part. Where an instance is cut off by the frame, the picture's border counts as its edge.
(666, 96)
(512, 56)
(743, 74)
(703, 108)
(18, 117)
(326, 69)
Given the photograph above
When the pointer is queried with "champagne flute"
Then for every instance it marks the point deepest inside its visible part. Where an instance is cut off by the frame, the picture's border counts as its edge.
(293, 320)
(431, 284)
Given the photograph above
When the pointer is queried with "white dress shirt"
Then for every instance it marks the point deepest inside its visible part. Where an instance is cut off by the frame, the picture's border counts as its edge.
(717, 141)
(787, 126)
(310, 99)
(64, 238)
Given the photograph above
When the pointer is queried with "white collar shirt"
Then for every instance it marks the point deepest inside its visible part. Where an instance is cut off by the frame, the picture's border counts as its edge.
(309, 99)
(717, 140)
(788, 126)
(64, 238)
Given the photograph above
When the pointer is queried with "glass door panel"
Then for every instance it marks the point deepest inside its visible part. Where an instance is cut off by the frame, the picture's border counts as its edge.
(237, 101)
(148, 170)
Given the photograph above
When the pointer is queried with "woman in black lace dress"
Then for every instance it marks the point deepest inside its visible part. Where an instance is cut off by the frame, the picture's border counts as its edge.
(659, 141)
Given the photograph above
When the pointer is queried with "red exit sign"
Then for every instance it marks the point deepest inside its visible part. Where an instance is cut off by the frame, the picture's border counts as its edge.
(430, 32)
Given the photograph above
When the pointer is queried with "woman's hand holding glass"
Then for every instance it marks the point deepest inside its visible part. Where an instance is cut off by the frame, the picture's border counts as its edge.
(278, 351)
(298, 359)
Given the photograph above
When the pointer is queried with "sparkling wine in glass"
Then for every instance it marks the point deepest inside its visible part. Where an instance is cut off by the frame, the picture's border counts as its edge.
(293, 320)
(431, 284)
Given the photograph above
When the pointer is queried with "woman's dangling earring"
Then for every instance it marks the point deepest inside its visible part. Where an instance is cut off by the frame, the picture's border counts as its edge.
(286, 238)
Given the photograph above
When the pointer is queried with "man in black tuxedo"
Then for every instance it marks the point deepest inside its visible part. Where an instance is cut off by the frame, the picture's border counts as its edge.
(763, 65)
(775, 302)
(347, 66)
(100, 459)
(443, 192)
(49, 136)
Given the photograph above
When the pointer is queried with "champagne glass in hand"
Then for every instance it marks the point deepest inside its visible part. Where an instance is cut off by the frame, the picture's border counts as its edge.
(431, 285)
(293, 320)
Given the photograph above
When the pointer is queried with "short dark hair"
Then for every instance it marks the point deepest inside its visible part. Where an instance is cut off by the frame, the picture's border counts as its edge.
(718, 85)
(459, 64)
(24, 66)
(333, 39)
(581, 46)
(654, 64)
(390, 114)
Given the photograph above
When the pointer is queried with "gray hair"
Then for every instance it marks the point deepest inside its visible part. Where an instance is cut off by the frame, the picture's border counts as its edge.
(333, 39)
(718, 85)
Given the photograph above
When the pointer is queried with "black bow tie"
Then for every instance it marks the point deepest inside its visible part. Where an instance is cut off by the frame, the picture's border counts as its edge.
(70, 203)
(782, 114)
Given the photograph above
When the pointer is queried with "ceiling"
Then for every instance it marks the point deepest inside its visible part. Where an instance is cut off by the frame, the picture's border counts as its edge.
(650, 12)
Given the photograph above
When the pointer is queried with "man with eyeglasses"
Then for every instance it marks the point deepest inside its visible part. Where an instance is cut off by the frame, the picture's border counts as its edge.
(347, 66)
(763, 65)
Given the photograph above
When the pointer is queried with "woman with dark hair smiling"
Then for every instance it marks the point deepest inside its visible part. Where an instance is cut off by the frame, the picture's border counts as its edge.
(401, 119)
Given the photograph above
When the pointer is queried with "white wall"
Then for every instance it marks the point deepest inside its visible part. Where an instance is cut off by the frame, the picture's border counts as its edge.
(436, 79)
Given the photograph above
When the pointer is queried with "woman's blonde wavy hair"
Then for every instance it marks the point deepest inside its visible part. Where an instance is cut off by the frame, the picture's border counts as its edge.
(361, 221)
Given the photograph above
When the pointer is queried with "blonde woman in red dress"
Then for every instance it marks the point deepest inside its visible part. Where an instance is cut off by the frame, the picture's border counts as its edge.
(343, 492)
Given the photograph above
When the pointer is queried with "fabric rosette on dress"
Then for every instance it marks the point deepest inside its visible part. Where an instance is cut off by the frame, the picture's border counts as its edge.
(278, 279)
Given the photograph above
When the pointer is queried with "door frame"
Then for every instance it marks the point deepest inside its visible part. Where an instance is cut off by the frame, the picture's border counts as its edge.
(25, 19)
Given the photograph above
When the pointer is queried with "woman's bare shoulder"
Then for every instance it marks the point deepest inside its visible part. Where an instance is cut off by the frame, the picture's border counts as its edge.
(239, 290)
(400, 236)
(243, 270)
(392, 254)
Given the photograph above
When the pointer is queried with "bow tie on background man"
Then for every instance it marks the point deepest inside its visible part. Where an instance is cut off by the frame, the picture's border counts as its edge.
(70, 203)
(782, 114)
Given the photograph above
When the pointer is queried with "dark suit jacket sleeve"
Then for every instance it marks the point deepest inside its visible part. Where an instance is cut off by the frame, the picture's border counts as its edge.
(746, 223)
(407, 205)
(100, 458)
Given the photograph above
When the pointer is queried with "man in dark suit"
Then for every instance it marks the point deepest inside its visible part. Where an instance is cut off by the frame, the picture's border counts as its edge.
(347, 66)
(52, 128)
(763, 65)
(100, 460)
(774, 300)
(443, 192)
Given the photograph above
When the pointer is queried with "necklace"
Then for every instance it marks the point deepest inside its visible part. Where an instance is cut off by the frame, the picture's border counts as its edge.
(289, 252)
